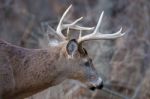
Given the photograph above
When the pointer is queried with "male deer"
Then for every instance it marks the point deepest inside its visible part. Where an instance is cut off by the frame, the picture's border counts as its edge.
(24, 72)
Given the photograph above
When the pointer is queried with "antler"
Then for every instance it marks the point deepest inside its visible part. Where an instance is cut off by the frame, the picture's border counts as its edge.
(96, 35)
(72, 25)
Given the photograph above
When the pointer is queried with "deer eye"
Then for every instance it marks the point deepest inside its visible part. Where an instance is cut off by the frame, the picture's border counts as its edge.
(87, 63)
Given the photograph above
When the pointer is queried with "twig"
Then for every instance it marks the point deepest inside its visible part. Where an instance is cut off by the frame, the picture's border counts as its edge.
(115, 93)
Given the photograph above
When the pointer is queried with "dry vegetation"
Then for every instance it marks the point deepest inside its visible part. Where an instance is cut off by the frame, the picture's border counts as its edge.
(123, 63)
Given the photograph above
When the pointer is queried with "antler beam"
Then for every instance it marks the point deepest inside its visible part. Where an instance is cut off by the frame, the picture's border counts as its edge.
(96, 35)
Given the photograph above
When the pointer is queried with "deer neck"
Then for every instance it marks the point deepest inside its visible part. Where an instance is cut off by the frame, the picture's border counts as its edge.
(39, 69)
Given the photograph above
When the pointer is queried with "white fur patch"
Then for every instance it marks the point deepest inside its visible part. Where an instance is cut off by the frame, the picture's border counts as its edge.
(54, 42)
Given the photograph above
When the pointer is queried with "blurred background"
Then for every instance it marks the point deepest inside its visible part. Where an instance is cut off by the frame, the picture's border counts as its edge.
(124, 64)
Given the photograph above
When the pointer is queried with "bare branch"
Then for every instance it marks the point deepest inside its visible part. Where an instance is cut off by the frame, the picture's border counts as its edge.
(115, 93)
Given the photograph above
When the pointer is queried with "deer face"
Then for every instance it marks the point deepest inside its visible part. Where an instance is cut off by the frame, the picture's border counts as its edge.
(80, 67)
(78, 64)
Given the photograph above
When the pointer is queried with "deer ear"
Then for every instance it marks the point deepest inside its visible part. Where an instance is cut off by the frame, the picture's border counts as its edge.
(72, 48)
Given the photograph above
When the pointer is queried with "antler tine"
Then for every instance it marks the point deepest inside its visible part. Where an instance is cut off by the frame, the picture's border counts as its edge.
(77, 27)
(96, 35)
(59, 27)
(99, 22)
(72, 25)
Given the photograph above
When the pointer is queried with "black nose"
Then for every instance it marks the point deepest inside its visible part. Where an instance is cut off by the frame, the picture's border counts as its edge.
(100, 86)
(92, 88)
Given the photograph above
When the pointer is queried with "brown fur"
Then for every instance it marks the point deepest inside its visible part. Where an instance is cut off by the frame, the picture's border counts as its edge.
(24, 72)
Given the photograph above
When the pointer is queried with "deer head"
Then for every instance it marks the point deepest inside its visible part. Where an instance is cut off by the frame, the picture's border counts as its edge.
(77, 62)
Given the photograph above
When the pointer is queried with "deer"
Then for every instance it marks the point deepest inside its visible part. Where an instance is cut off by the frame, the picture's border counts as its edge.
(24, 71)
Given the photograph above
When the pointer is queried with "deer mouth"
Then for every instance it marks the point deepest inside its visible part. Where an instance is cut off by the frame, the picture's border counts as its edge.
(92, 88)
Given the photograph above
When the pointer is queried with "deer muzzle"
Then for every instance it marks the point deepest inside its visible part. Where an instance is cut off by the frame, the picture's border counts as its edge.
(98, 84)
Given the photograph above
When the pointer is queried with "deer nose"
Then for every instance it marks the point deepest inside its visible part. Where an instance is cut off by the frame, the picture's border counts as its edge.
(98, 84)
